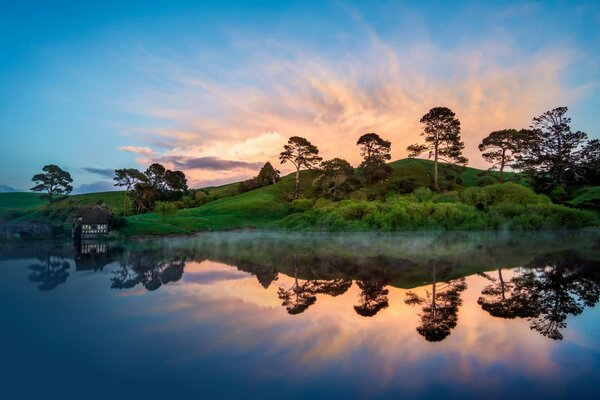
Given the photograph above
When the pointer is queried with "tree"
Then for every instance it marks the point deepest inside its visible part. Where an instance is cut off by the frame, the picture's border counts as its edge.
(499, 148)
(268, 175)
(144, 197)
(551, 148)
(440, 308)
(500, 299)
(375, 152)
(299, 297)
(302, 154)
(591, 162)
(373, 298)
(442, 138)
(337, 179)
(49, 272)
(155, 174)
(128, 178)
(54, 181)
(176, 181)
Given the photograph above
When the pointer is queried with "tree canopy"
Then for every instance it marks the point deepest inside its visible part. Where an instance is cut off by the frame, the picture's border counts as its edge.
(499, 148)
(54, 181)
(302, 154)
(375, 152)
(441, 130)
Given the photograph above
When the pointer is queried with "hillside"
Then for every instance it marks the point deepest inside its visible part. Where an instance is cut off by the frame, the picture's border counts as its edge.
(269, 206)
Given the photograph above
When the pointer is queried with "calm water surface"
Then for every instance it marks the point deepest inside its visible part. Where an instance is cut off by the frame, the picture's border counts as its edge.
(294, 316)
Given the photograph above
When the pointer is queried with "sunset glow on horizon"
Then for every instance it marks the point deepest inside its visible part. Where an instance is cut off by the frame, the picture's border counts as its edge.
(216, 89)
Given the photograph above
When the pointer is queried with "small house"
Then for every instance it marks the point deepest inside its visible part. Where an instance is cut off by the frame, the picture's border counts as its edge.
(91, 222)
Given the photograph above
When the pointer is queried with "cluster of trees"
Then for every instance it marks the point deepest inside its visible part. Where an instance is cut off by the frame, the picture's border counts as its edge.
(548, 151)
(266, 176)
(338, 177)
(155, 184)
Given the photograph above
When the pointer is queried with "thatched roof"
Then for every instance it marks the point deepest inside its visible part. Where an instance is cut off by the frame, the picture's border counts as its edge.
(94, 214)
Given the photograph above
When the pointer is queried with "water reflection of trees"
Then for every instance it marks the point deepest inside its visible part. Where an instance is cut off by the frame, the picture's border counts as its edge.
(49, 272)
(373, 298)
(143, 268)
(545, 292)
(439, 307)
(297, 298)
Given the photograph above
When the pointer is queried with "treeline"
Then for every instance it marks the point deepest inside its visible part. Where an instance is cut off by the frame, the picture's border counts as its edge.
(554, 158)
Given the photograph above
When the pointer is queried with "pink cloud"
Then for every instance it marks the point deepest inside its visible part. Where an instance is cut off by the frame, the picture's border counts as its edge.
(147, 151)
(248, 114)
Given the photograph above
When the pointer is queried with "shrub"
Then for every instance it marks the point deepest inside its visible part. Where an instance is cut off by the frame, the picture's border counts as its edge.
(422, 194)
(301, 205)
(448, 197)
(512, 193)
(486, 180)
(476, 197)
(165, 208)
(202, 197)
(404, 186)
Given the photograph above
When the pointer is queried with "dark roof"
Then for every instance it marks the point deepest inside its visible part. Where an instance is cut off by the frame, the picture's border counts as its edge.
(94, 214)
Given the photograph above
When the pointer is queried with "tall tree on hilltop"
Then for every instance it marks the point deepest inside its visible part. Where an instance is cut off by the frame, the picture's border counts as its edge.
(54, 181)
(442, 138)
(128, 178)
(302, 154)
(551, 148)
(375, 152)
(500, 148)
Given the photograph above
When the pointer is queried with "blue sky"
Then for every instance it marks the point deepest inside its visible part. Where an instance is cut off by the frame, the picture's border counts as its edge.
(215, 88)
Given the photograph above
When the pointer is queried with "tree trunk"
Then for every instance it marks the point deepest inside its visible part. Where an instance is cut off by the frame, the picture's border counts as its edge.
(502, 165)
(297, 186)
(435, 169)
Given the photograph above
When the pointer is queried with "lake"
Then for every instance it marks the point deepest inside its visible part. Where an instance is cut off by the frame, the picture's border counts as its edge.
(303, 316)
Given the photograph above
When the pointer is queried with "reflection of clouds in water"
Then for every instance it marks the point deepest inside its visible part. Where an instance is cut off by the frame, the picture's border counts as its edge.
(250, 318)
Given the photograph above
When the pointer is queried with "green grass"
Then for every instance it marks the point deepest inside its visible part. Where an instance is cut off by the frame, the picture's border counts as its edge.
(20, 201)
(29, 207)
(509, 206)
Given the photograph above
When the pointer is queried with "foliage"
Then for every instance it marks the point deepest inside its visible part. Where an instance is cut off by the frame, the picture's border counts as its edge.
(165, 208)
(54, 181)
(551, 148)
(375, 152)
(337, 179)
(442, 139)
(423, 194)
(266, 176)
(302, 154)
(486, 180)
(500, 148)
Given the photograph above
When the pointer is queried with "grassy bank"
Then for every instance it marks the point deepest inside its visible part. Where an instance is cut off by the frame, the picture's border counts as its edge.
(382, 206)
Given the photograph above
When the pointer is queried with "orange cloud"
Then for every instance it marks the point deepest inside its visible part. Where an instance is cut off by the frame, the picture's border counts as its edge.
(377, 88)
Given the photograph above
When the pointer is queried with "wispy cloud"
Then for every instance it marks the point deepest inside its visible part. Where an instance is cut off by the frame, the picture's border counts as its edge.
(105, 172)
(95, 187)
(247, 113)
(147, 151)
(208, 163)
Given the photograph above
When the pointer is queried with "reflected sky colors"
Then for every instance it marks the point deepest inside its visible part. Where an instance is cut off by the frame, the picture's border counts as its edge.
(215, 88)
(218, 326)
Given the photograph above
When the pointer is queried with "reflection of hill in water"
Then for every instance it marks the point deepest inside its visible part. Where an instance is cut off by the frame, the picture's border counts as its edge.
(552, 275)
(399, 260)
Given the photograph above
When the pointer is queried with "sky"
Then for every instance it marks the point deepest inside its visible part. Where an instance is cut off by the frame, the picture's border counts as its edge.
(216, 88)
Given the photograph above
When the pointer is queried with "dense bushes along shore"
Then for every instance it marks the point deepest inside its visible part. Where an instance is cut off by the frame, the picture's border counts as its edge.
(499, 206)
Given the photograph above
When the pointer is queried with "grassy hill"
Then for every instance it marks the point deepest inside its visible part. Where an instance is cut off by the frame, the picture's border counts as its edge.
(269, 207)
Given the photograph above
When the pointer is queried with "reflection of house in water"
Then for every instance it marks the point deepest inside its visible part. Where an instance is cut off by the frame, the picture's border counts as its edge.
(91, 222)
